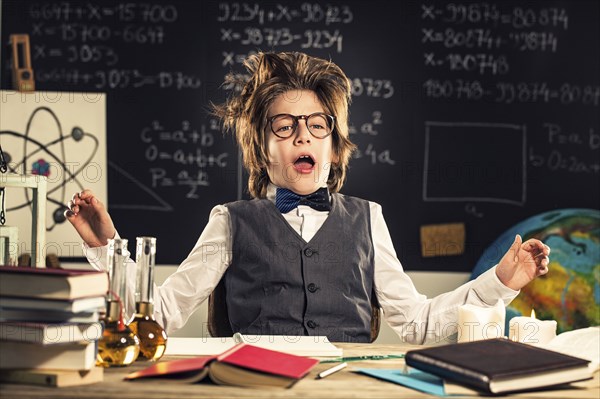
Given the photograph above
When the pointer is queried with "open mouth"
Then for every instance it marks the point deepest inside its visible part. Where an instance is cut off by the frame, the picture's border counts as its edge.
(304, 163)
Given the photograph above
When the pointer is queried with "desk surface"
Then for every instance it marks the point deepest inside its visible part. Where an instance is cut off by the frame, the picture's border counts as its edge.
(344, 384)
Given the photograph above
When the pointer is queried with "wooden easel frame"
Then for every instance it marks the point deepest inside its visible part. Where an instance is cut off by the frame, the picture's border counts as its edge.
(38, 185)
(9, 238)
(21, 63)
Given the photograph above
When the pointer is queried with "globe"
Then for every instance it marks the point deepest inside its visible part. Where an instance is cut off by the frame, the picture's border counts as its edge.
(570, 292)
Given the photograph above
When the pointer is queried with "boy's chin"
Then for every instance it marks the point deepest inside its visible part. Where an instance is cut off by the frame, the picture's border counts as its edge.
(306, 188)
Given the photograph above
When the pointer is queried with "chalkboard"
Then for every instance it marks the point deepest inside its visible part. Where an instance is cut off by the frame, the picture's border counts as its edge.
(482, 113)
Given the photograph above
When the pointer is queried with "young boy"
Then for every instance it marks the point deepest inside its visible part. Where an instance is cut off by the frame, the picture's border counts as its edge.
(301, 258)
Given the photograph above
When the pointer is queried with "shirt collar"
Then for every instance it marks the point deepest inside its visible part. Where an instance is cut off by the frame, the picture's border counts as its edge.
(271, 192)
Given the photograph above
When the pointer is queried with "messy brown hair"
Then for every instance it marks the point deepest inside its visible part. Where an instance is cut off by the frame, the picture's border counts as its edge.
(272, 74)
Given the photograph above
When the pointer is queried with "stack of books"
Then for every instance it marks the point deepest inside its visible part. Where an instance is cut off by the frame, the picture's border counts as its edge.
(49, 325)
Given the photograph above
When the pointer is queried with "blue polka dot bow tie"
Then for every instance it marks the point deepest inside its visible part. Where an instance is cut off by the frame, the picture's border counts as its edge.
(286, 200)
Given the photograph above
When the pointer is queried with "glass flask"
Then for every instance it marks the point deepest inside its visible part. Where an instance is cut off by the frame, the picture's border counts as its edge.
(119, 346)
(153, 338)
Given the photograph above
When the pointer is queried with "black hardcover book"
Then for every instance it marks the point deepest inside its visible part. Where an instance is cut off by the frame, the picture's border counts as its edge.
(499, 365)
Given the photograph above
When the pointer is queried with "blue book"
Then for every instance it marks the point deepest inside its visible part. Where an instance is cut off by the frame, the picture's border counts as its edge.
(414, 379)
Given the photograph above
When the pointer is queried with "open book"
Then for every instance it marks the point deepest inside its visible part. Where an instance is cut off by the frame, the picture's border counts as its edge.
(316, 346)
(243, 365)
(583, 343)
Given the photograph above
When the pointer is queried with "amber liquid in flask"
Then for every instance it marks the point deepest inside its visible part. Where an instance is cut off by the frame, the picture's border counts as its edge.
(153, 338)
(119, 346)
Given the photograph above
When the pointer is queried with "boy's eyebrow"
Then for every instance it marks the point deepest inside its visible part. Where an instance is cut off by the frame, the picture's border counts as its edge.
(287, 113)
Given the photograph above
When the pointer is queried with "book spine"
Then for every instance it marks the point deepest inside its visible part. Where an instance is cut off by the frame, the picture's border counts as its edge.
(48, 333)
(449, 371)
(19, 377)
(68, 356)
(229, 351)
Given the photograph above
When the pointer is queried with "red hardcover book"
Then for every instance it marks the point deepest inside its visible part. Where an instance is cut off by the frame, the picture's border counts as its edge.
(243, 365)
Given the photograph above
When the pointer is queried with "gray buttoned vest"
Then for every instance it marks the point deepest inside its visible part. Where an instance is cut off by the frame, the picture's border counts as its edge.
(279, 284)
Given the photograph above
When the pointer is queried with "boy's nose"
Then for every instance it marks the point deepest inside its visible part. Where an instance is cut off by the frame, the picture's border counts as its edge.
(302, 134)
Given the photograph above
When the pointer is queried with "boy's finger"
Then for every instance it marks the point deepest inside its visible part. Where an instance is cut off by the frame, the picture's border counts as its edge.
(516, 245)
(541, 271)
(86, 194)
(95, 202)
(535, 244)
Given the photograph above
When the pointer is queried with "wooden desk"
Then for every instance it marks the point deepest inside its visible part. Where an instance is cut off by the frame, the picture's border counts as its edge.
(344, 384)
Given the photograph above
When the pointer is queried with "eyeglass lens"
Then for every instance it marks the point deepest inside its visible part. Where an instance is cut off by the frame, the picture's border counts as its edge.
(319, 125)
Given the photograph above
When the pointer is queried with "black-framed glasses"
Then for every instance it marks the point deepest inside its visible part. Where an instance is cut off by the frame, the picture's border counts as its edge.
(319, 124)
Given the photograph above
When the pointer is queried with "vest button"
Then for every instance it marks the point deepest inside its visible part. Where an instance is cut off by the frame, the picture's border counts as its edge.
(312, 287)
(311, 324)
(309, 252)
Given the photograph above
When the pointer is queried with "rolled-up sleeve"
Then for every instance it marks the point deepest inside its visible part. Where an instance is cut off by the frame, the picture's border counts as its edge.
(197, 276)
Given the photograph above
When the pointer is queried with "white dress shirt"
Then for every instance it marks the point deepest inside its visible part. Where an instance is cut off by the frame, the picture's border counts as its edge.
(413, 316)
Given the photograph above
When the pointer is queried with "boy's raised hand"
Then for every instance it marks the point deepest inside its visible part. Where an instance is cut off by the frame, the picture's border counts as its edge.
(523, 262)
(90, 218)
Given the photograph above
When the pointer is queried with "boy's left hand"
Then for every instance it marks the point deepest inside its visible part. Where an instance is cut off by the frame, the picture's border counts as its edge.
(523, 262)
